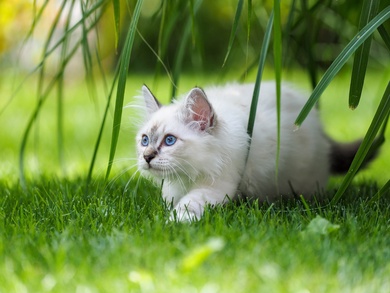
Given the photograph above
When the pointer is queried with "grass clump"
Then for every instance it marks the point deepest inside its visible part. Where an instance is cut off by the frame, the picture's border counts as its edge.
(57, 237)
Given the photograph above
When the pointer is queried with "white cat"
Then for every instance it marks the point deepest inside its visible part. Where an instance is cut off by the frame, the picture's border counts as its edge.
(199, 146)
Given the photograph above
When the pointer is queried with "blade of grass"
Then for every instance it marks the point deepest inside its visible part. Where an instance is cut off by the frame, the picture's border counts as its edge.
(181, 50)
(248, 27)
(60, 93)
(87, 55)
(379, 119)
(278, 76)
(101, 130)
(341, 59)
(260, 69)
(287, 31)
(234, 29)
(123, 70)
(384, 190)
(369, 10)
(117, 20)
(385, 36)
(308, 42)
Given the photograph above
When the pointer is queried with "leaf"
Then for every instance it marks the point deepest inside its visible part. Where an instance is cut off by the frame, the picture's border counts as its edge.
(369, 10)
(321, 226)
(385, 36)
(123, 70)
(278, 76)
(181, 50)
(341, 59)
(385, 190)
(234, 29)
(117, 15)
(260, 69)
(380, 118)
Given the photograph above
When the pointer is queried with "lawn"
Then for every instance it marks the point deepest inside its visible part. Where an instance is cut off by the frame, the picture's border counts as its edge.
(60, 236)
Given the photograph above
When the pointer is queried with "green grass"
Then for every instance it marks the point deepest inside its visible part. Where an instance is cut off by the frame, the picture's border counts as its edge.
(56, 236)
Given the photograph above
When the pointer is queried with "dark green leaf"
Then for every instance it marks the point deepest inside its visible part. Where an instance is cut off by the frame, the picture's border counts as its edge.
(385, 36)
(181, 50)
(260, 69)
(234, 29)
(369, 10)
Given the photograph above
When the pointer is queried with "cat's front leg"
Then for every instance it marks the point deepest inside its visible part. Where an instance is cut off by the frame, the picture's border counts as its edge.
(191, 206)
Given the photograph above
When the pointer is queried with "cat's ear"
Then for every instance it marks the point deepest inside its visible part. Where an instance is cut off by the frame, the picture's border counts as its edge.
(200, 111)
(152, 105)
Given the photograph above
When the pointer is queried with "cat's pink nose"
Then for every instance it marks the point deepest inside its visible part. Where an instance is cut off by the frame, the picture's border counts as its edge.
(149, 156)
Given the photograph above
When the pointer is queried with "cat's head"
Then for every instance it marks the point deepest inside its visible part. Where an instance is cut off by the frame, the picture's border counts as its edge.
(177, 140)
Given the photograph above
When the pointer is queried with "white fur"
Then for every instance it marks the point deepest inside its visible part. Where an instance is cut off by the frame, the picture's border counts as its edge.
(205, 166)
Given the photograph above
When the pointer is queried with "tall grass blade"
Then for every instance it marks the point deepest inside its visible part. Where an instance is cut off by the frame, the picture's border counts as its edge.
(385, 190)
(248, 27)
(234, 29)
(117, 19)
(86, 51)
(181, 50)
(101, 130)
(123, 70)
(60, 93)
(379, 119)
(260, 69)
(369, 10)
(287, 31)
(385, 36)
(341, 59)
(308, 42)
(278, 76)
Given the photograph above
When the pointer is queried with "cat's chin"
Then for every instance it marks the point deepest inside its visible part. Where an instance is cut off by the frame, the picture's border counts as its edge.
(157, 173)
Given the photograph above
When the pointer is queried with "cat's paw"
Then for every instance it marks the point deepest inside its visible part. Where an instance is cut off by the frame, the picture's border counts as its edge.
(183, 215)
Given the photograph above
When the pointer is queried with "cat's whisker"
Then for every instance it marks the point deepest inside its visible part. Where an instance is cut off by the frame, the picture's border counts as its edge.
(120, 174)
(177, 164)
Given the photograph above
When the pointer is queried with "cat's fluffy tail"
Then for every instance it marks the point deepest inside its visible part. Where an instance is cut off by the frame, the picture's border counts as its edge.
(342, 154)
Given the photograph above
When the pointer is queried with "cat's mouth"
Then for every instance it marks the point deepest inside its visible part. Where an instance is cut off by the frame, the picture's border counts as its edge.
(157, 170)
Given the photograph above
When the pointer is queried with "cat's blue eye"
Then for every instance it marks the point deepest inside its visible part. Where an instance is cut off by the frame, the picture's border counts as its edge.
(170, 140)
(145, 140)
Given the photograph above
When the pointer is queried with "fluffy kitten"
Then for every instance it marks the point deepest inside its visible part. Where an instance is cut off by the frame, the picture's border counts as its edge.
(199, 146)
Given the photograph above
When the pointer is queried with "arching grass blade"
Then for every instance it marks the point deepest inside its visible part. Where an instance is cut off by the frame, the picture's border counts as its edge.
(383, 191)
(260, 69)
(380, 118)
(123, 70)
(341, 59)
(234, 29)
(369, 10)
(385, 36)
(181, 50)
